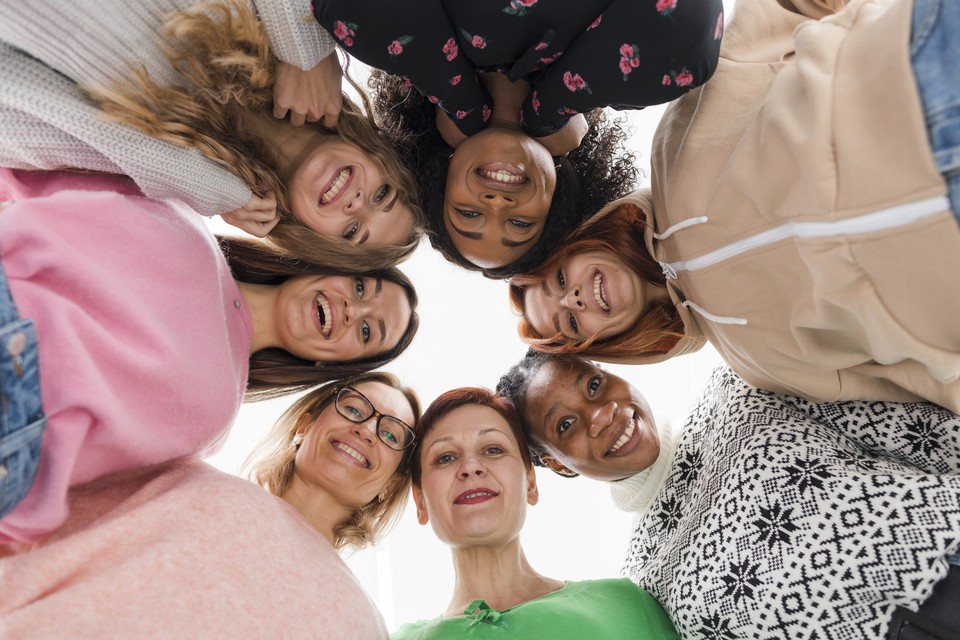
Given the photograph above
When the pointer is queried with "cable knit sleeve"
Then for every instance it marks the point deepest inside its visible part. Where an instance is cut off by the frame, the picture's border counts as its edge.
(46, 123)
(294, 34)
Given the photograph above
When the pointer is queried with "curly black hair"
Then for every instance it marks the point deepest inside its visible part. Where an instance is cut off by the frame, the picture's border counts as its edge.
(591, 176)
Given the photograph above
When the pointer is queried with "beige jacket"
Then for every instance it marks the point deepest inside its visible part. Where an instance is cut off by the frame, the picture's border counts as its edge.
(798, 215)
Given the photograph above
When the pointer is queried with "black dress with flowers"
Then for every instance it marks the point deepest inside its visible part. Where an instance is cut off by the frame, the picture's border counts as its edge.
(576, 54)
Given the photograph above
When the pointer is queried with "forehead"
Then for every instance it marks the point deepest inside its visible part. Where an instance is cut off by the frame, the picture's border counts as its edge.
(468, 420)
(386, 400)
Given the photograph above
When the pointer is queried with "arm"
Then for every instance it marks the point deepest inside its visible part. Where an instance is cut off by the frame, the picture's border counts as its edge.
(308, 77)
(421, 45)
(634, 57)
(47, 123)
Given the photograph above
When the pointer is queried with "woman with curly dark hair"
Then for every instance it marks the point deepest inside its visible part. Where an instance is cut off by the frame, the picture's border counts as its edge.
(494, 99)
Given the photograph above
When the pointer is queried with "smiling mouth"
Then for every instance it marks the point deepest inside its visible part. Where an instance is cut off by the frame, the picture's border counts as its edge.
(502, 175)
(599, 293)
(625, 436)
(353, 453)
(324, 315)
(473, 496)
(339, 182)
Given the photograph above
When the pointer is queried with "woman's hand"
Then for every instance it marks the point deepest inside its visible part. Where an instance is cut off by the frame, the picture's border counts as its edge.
(310, 96)
(562, 142)
(448, 130)
(258, 217)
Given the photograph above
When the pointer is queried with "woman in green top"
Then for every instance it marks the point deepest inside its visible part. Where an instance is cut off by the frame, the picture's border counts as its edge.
(473, 479)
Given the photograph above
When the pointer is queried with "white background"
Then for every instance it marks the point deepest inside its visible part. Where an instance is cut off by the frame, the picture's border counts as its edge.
(468, 337)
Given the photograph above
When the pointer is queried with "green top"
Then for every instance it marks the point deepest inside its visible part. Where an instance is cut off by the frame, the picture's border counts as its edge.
(595, 609)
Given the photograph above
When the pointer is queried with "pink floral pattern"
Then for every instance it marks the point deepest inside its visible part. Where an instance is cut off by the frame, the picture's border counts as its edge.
(567, 111)
(595, 23)
(478, 41)
(629, 59)
(451, 49)
(455, 80)
(344, 32)
(718, 30)
(395, 48)
(682, 78)
(519, 7)
(535, 102)
(486, 113)
(666, 7)
(575, 83)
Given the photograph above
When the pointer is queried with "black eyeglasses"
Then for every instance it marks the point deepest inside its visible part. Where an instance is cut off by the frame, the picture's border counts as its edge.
(393, 432)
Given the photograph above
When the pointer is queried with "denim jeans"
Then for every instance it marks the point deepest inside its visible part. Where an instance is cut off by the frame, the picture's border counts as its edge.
(21, 411)
(935, 56)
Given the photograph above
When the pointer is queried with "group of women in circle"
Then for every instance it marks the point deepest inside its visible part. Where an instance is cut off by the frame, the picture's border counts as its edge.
(131, 335)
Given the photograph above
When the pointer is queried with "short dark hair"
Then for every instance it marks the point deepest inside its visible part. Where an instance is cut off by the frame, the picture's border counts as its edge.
(464, 396)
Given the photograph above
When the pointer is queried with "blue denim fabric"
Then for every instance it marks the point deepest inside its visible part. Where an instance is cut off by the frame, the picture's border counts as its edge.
(935, 55)
(21, 411)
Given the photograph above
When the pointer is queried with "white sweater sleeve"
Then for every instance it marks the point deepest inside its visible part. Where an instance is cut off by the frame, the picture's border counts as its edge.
(47, 123)
(294, 34)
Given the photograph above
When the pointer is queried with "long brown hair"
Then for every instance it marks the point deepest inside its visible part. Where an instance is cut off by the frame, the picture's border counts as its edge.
(271, 463)
(275, 372)
(620, 232)
(221, 49)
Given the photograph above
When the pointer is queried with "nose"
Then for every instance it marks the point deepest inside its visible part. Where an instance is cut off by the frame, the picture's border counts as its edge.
(471, 466)
(495, 198)
(573, 300)
(355, 202)
(602, 418)
(354, 310)
(366, 430)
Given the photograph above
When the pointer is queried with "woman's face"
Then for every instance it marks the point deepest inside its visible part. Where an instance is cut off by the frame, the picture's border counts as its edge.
(590, 294)
(590, 421)
(475, 487)
(499, 188)
(346, 459)
(340, 318)
(339, 190)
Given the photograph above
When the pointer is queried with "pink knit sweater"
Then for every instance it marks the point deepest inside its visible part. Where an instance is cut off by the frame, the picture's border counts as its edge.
(144, 337)
(181, 550)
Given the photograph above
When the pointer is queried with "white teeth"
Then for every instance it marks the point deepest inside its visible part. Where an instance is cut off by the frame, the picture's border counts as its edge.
(334, 189)
(353, 452)
(502, 176)
(323, 313)
(598, 291)
(622, 440)
(478, 494)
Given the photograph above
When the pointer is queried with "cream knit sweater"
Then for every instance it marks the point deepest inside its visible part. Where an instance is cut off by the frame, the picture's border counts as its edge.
(47, 123)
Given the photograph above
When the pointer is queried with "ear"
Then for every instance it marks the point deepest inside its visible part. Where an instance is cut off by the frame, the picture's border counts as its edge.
(533, 493)
(557, 467)
(422, 516)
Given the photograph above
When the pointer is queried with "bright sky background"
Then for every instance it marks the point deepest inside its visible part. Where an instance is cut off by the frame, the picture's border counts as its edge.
(468, 337)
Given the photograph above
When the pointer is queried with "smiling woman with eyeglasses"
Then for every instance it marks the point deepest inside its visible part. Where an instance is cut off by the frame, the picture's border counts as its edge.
(324, 457)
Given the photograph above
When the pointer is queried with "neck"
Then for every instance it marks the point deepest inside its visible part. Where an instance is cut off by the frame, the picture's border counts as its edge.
(289, 144)
(260, 298)
(500, 575)
(316, 506)
(507, 98)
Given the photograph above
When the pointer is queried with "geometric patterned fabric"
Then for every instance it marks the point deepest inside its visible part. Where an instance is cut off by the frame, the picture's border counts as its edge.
(781, 518)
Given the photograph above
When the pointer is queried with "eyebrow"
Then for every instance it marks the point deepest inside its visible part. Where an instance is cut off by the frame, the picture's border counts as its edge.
(482, 433)
(396, 194)
(553, 409)
(383, 325)
(515, 243)
(473, 235)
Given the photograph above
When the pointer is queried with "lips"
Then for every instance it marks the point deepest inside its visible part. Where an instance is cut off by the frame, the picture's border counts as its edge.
(503, 176)
(337, 186)
(600, 293)
(627, 437)
(324, 315)
(475, 496)
(351, 454)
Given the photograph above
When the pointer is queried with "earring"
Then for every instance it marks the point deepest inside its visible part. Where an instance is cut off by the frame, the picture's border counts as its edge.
(297, 439)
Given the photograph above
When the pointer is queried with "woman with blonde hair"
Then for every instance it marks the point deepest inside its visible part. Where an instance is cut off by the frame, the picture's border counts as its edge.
(341, 456)
(191, 93)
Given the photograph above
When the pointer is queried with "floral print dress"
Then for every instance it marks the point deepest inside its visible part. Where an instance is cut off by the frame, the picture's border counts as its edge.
(577, 55)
